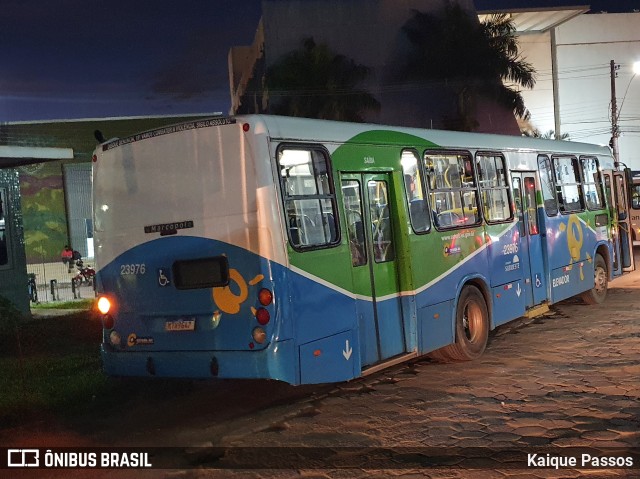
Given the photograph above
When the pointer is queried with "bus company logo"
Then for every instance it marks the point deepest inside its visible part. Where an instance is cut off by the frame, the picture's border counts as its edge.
(227, 300)
(134, 340)
(23, 458)
(450, 250)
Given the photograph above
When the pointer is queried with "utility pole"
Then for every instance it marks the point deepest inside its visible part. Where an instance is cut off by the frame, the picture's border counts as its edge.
(614, 114)
(556, 85)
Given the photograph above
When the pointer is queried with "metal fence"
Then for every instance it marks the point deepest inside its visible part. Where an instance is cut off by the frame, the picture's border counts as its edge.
(50, 282)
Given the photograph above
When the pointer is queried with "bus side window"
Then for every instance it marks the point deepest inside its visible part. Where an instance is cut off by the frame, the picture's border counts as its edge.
(547, 185)
(355, 227)
(454, 194)
(381, 234)
(635, 196)
(308, 197)
(415, 192)
(494, 189)
(568, 184)
(622, 198)
(592, 183)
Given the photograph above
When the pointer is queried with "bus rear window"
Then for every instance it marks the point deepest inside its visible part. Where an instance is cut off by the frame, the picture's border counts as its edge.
(201, 273)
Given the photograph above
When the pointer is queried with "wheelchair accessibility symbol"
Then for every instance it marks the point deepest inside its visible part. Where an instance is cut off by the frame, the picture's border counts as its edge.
(538, 281)
(163, 279)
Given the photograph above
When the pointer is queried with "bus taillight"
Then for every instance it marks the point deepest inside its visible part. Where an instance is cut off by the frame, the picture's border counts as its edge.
(108, 322)
(263, 316)
(265, 297)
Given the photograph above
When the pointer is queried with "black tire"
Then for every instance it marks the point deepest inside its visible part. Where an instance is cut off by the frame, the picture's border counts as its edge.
(598, 293)
(440, 356)
(472, 327)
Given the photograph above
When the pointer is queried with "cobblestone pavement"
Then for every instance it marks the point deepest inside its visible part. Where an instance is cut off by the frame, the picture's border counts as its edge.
(562, 383)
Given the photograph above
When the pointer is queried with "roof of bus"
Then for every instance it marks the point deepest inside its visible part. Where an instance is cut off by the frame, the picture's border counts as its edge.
(304, 129)
(328, 131)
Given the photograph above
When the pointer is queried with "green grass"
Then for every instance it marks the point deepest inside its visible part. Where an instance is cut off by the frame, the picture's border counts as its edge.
(51, 367)
(48, 364)
(76, 304)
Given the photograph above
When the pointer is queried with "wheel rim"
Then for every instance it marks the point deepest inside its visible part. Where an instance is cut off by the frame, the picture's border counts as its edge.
(600, 277)
(472, 321)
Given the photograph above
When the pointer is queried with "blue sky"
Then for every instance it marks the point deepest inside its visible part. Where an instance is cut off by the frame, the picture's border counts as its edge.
(63, 59)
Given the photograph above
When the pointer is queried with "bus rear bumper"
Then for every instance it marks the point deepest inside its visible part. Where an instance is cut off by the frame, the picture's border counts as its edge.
(205, 364)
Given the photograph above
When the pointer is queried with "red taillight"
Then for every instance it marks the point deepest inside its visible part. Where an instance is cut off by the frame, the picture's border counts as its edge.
(263, 316)
(94, 158)
(245, 127)
(265, 297)
(107, 321)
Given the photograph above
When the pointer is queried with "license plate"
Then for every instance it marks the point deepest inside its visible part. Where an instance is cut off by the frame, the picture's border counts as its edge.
(180, 325)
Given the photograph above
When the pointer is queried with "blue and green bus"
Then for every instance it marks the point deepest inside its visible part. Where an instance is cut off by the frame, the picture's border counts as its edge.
(313, 251)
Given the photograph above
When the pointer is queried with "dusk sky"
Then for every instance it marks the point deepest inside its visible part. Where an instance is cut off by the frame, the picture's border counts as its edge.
(63, 59)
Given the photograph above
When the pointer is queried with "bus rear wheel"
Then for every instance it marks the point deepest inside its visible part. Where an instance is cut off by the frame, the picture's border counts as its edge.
(598, 293)
(472, 327)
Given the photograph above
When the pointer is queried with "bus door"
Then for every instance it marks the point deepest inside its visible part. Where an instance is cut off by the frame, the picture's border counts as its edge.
(617, 198)
(374, 261)
(531, 257)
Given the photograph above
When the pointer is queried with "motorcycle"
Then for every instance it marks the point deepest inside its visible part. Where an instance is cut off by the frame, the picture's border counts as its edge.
(85, 274)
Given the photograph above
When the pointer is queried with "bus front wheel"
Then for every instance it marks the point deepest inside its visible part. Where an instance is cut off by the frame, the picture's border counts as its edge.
(598, 293)
(472, 327)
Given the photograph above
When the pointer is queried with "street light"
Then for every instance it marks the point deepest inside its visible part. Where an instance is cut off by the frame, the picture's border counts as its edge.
(615, 112)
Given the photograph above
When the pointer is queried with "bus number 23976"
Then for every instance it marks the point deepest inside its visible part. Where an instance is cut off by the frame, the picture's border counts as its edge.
(134, 268)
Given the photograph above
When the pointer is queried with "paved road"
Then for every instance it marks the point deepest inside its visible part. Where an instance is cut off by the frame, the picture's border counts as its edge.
(564, 384)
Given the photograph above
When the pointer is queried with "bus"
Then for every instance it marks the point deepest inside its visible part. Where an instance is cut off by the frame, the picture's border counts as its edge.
(635, 206)
(312, 251)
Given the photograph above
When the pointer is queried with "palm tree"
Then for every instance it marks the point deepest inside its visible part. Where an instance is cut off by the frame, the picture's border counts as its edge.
(468, 58)
(315, 82)
(548, 135)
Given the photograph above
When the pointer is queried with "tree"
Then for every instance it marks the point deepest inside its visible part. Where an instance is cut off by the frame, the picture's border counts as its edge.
(468, 58)
(548, 135)
(314, 82)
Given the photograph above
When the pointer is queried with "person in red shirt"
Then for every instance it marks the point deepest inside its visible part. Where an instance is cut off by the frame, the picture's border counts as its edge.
(67, 256)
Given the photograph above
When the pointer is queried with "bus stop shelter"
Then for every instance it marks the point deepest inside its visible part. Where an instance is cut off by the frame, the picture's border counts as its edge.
(13, 264)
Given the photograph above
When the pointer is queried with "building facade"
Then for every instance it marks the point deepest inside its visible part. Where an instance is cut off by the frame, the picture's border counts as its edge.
(572, 53)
